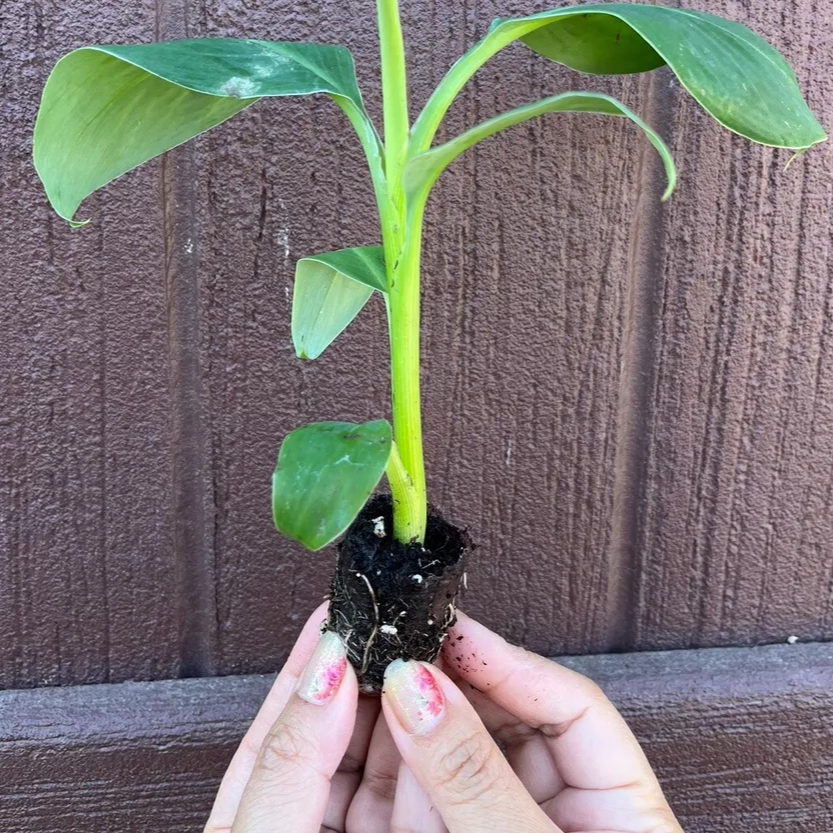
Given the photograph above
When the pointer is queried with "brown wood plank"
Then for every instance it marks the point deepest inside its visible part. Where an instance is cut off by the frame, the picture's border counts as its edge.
(741, 739)
(86, 556)
(574, 330)
(192, 488)
(259, 209)
(734, 544)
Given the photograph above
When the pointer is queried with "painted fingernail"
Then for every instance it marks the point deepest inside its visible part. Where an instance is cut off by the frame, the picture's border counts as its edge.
(324, 671)
(416, 697)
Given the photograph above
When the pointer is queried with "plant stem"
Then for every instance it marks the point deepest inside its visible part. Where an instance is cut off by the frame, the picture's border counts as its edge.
(406, 471)
(410, 510)
(425, 127)
(408, 500)
(394, 95)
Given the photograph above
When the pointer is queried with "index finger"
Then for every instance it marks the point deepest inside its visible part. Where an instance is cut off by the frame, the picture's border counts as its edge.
(290, 785)
(243, 762)
(591, 744)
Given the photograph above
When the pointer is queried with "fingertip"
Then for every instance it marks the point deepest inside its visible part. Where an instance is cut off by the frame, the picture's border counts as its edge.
(467, 628)
(419, 697)
(472, 651)
(516, 679)
(450, 752)
(325, 700)
(414, 692)
(280, 694)
(316, 620)
(463, 620)
(305, 644)
(325, 672)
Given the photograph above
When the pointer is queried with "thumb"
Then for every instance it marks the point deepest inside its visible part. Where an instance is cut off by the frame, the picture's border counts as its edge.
(453, 757)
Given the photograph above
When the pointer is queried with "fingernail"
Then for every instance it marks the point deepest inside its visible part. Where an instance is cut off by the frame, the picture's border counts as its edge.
(324, 671)
(416, 697)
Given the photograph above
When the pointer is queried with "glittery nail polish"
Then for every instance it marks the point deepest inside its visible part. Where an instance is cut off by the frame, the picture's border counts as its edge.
(324, 671)
(415, 695)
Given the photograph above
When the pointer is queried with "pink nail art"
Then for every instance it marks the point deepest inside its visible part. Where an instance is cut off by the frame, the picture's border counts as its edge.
(324, 671)
(415, 695)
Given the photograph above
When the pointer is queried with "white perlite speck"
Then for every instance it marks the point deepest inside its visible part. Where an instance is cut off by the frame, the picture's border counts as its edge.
(418, 578)
(389, 629)
(379, 527)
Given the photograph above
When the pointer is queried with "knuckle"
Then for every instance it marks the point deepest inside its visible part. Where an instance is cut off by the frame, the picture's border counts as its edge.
(250, 747)
(513, 732)
(351, 764)
(652, 809)
(593, 691)
(285, 746)
(379, 783)
(557, 730)
(466, 770)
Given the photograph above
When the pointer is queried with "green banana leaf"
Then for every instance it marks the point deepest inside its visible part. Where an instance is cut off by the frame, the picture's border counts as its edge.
(737, 77)
(107, 109)
(330, 291)
(326, 472)
(422, 171)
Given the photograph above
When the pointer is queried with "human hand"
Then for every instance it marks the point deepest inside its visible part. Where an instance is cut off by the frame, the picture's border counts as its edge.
(318, 757)
(570, 763)
(570, 759)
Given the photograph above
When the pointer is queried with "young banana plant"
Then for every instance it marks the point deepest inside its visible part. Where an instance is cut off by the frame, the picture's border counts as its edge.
(107, 109)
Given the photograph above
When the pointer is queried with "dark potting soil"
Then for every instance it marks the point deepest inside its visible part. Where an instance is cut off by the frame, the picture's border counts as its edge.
(390, 600)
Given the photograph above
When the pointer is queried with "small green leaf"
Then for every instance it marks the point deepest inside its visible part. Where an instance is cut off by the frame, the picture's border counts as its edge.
(330, 291)
(737, 77)
(422, 171)
(107, 109)
(325, 474)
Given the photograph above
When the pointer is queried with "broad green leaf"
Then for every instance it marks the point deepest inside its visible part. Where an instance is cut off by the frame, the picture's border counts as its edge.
(325, 474)
(737, 77)
(422, 171)
(330, 291)
(107, 109)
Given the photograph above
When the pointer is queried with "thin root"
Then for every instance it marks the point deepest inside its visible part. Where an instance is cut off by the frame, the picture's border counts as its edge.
(372, 638)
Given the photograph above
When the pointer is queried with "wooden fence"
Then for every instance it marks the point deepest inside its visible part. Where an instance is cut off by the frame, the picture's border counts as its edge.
(629, 403)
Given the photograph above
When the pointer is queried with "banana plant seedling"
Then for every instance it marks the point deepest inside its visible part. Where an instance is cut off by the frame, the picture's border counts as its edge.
(107, 109)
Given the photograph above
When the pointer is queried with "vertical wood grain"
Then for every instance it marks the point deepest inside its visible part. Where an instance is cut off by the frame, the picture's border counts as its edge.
(524, 346)
(282, 180)
(87, 585)
(551, 354)
(192, 492)
(736, 527)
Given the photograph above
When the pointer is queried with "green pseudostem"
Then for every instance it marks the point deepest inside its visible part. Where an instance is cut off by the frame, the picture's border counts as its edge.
(406, 469)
